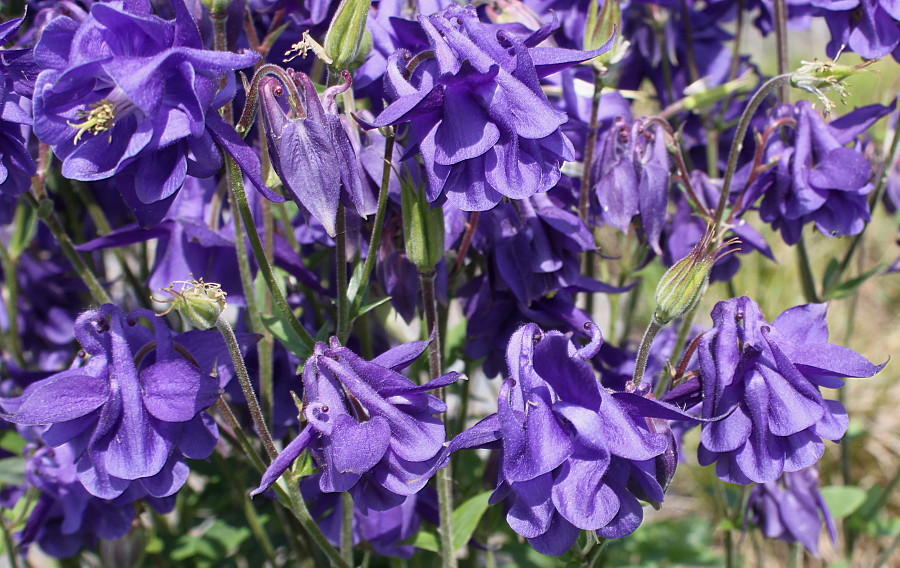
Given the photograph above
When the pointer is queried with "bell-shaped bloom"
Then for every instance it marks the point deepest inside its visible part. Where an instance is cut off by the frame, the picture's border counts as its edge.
(133, 411)
(573, 455)
(867, 27)
(370, 430)
(477, 112)
(16, 163)
(766, 377)
(630, 176)
(66, 518)
(791, 509)
(312, 153)
(818, 176)
(130, 95)
(382, 530)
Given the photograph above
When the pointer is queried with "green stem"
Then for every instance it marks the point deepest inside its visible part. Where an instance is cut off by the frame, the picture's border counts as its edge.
(240, 247)
(640, 364)
(347, 527)
(443, 477)
(378, 227)
(781, 46)
(45, 211)
(9, 544)
(340, 268)
(738, 144)
(298, 508)
(12, 306)
(247, 387)
(806, 275)
(240, 437)
(584, 194)
(240, 199)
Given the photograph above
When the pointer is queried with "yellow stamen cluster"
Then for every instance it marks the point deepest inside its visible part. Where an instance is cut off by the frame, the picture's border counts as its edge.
(198, 301)
(99, 119)
(304, 46)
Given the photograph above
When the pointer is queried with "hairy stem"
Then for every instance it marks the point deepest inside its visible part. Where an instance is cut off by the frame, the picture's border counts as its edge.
(640, 364)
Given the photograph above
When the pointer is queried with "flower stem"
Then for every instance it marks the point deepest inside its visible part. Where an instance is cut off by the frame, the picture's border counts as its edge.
(246, 386)
(584, 194)
(340, 269)
(640, 364)
(781, 45)
(240, 201)
(443, 477)
(11, 283)
(44, 208)
(298, 508)
(806, 275)
(738, 144)
(378, 227)
(347, 527)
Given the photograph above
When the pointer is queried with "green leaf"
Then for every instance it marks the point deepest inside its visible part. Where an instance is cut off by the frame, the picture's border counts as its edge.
(427, 541)
(830, 273)
(369, 307)
(843, 500)
(466, 517)
(847, 287)
(283, 332)
(11, 441)
(12, 470)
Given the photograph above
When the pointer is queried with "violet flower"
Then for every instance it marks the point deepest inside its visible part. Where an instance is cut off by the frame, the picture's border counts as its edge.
(133, 411)
(311, 152)
(791, 509)
(868, 27)
(768, 377)
(477, 112)
(66, 518)
(573, 456)
(630, 177)
(817, 178)
(127, 94)
(16, 71)
(370, 430)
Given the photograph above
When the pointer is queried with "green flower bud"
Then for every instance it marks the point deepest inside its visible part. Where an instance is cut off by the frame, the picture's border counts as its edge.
(816, 77)
(423, 228)
(682, 286)
(601, 25)
(197, 301)
(345, 35)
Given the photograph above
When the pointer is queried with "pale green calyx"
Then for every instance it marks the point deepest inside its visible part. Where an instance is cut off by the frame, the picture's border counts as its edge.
(423, 228)
(682, 286)
(199, 302)
(346, 32)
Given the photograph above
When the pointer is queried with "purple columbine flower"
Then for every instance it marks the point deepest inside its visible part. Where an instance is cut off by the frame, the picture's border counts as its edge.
(817, 177)
(768, 377)
(16, 72)
(476, 110)
(573, 455)
(370, 430)
(127, 94)
(310, 149)
(630, 176)
(133, 411)
(66, 518)
(791, 509)
(868, 27)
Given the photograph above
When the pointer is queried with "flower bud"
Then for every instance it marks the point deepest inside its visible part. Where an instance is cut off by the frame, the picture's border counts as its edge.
(818, 76)
(345, 35)
(601, 27)
(199, 302)
(682, 286)
(423, 228)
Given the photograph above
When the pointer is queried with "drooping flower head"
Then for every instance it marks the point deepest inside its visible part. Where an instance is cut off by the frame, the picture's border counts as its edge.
(370, 430)
(768, 377)
(310, 149)
(818, 178)
(791, 509)
(573, 455)
(132, 411)
(127, 94)
(477, 112)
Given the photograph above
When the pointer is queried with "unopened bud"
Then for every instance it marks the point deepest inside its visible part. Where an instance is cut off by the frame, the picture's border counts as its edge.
(682, 286)
(197, 301)
(423, 228)
(346, 32)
